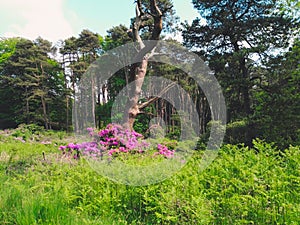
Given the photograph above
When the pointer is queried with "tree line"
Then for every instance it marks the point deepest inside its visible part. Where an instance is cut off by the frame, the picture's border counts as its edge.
(251, 46)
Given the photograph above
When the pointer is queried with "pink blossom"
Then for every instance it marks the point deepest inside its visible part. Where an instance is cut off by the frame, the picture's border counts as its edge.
(111, 152)
(62, 147)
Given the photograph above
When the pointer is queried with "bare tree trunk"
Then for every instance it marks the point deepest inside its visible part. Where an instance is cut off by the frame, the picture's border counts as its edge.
(139, 70)
(93, 99)
(67, 106)
(67, 94)
(134, 110)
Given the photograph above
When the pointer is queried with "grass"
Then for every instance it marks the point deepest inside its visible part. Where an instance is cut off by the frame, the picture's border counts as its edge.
(242, 186)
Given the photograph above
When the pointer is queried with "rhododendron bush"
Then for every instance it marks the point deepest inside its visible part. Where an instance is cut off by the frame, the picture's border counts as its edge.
(112, 142)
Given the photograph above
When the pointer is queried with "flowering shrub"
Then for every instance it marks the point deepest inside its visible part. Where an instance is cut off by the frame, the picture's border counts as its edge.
(112, 141)
(163, 150)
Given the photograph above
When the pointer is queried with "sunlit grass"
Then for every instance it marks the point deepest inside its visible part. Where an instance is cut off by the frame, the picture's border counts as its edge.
(242, 186)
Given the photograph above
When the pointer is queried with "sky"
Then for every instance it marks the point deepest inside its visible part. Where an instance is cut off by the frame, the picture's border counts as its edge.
(60, 19)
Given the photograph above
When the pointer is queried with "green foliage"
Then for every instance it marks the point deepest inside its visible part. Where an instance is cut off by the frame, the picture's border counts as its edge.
(239, 46)
(32, 85)
(290, 8)
(27, 131)
(103, 111)
(115, 37)
(262, 97)
(235, 132)
(277, 99)
(7, 48)
(170, 20)
(242, 186)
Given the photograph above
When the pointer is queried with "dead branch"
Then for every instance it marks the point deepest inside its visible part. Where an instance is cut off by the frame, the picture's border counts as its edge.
(145, 104)
(157, 16)
(137, 23)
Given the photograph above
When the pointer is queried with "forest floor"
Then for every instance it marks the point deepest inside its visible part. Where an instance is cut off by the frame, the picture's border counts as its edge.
(241, 186)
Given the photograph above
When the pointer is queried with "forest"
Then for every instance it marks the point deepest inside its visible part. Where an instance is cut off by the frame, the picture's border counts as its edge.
(252, 48)
(254, 56)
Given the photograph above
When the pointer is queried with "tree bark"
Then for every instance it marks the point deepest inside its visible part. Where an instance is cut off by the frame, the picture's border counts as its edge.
(139, 70)
(27, 106)
(44, 112)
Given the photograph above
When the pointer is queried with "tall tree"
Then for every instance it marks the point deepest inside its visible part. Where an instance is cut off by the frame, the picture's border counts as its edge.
(235, 32)
(138, 71)
(7, 49)
(77, 56)
(28, 77)
(277, 99)
(117, 36)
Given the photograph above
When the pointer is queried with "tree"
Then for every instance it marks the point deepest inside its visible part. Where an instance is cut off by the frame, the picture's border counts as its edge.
(236, 31)
(77, 55)
(30, 79)
(7, 48)
(290, 8)
(149, 18)
(117, 36)
(277, 99)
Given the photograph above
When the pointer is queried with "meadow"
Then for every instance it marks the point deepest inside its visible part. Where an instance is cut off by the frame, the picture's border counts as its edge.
(38, 185)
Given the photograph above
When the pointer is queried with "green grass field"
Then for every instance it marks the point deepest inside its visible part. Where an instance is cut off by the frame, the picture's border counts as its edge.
(242, 186)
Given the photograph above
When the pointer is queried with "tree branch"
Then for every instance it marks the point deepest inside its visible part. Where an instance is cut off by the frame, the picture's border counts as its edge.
(145, 104)
(137, 23)
(139, 8)
(157, 16)
(167, 9)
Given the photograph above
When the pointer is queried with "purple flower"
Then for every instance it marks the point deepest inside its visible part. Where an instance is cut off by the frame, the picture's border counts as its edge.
(103, 133)
(110, 139)
(136, 134)
(163, 150)
(70, 145)
(62, 147)
(114, 139)
(90, 129)
(122, 149)
(103, 143)
(73, 146)
(115, 143)
(145, 144)
(111, 152)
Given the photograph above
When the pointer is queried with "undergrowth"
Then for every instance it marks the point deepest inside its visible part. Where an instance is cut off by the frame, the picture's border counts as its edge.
(242, 186)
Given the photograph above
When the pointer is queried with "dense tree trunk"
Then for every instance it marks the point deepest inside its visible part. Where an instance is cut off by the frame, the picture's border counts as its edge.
(27, 106)
(46, 124)
(93, 99)
(140, 73)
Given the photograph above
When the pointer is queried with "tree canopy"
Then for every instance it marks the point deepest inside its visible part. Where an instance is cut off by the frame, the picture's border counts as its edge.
(237, 38)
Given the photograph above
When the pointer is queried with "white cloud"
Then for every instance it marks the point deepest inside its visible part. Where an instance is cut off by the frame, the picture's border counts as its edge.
(35, 18)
